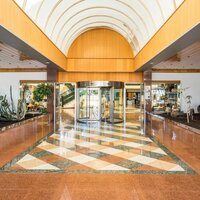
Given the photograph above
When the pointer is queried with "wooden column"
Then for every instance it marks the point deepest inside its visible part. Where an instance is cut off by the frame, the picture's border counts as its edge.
(52, 76)
(148, 100)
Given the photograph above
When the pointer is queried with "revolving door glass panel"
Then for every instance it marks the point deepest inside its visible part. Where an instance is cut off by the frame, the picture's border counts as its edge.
(105, 104)
(88, 104)
(118, 105)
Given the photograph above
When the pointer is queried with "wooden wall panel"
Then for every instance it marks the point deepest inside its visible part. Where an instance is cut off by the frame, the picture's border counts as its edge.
(100, 65)
(18, 23)
(100, 50)
(184, 19)
(100, 43)
(124, 77)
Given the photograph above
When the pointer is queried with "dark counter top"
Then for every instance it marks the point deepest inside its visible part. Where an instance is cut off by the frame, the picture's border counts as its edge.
(29, 117)
(181, 121)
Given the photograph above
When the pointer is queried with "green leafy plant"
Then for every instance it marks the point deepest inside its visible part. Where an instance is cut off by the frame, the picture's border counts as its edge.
(42, 91)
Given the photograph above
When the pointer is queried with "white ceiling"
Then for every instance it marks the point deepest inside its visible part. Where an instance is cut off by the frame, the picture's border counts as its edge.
(10, 58)
(188, 58)
(64, 20)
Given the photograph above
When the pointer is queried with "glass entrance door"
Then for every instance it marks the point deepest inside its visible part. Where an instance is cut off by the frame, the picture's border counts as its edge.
(88, 104)
(114, 108)
(105, 103)
(100, 101)
(94, 103)
(118, 105)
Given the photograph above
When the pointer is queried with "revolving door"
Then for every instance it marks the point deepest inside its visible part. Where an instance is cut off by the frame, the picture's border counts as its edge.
(100, 101)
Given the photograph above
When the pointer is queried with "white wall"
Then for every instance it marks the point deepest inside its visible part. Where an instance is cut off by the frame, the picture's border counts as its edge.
(13, 79)
(191, 80)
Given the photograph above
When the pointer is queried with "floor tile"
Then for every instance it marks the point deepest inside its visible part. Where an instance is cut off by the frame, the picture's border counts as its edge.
(82, 159)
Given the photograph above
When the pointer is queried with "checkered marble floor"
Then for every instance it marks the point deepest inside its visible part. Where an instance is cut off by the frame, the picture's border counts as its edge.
(98, 148)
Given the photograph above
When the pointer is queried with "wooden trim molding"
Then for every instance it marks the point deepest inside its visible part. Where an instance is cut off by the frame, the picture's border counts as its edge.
(175, 70)
(32, 81)
(23, 70)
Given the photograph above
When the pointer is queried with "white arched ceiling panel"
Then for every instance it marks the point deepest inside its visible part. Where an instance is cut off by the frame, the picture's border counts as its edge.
(167, 7)
(76, 18)
(85, 4)
(43, 12)
(111, 8)
(20, 3)
(98, 23)
(136, 20)
(53, 16)
(33, 8)
(178, 3)
(154, 8)
(115, 17)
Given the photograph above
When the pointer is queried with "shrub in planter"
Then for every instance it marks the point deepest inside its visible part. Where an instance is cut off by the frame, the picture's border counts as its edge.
(42, 91)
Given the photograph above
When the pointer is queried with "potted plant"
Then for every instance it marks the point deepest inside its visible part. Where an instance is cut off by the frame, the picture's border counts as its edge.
(41, 93)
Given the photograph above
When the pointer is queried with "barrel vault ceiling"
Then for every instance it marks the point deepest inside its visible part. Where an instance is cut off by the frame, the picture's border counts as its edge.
(64, 20)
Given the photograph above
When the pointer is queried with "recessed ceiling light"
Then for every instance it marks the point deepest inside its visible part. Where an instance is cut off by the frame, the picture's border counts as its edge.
(151, 63)
(47, 62)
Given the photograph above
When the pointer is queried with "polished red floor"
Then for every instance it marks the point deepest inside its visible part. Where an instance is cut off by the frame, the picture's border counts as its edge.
(61, 186)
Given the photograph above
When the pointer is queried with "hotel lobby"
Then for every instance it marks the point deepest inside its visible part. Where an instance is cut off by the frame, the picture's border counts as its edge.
(99, 100)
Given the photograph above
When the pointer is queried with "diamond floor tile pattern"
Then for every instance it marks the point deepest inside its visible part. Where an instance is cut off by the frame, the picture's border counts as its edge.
(83, 148)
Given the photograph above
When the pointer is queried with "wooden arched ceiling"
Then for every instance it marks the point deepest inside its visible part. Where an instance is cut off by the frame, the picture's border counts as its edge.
(64, 20)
